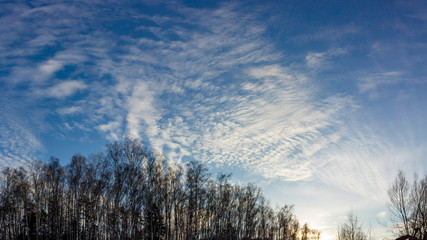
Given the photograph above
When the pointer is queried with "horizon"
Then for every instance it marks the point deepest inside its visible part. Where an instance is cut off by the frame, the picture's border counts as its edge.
(320, 103)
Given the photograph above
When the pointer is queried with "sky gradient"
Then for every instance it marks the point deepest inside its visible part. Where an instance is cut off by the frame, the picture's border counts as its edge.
(318, 102)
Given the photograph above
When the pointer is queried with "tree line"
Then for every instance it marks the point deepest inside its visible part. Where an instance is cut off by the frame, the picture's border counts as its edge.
(131, 192)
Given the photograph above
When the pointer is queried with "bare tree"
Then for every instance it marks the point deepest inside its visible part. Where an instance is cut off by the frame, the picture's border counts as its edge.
(399, 194)
(196, 179)
(14, 204)
(305, 232)
(132, 193)
(351, 229)
(418, 204)
(408, 206)
(284, 218)
(54, 175)
(252, 195)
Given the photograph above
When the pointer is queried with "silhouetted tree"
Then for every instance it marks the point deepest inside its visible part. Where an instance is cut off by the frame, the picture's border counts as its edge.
(14, 204)
(252, 194)
(133, 193)
(351, 229)
(408, 206)
(154, 225)
(305, 232)
(196, 179)
(284, 218)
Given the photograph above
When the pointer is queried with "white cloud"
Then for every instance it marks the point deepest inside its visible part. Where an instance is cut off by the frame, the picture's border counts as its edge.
(314, 59)
(200, 95)
(65, 89)
(269, 71)
(192, 97)
(111, 129)
(50, 67)
(19, 143)
(374, 81)
(319, 59)
(276, 123)
(70, 110)
(41, 73)
(210, 85)
(142, 115)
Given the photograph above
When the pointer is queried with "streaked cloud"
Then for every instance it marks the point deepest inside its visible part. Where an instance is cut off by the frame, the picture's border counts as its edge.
(419, 14)
(276, 123)
(64, 89)
(70, 110)
(314, 59)
(319, 59)
(19, 142)
(208, 86)
(231, 85)
(142, 116)
(330, 33)
(50, 67)
(110, 129)
(373, 82)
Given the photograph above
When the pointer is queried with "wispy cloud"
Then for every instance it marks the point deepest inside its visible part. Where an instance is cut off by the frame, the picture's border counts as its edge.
(50, 67)
(276, 124)
(330, 33)
(111, 129)
(399, 85)
(208, 86)
(70, 110)
(143, 116)
(18, 142)
(419, 14)
(64, 89)
(206, 83)
(271, 118)
(319, 59)
(373, 82)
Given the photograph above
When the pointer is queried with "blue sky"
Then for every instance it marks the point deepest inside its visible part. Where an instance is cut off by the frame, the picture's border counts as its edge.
(319, 102)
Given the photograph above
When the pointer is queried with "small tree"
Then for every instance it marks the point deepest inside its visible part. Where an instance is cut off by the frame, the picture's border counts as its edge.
(351, 229)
